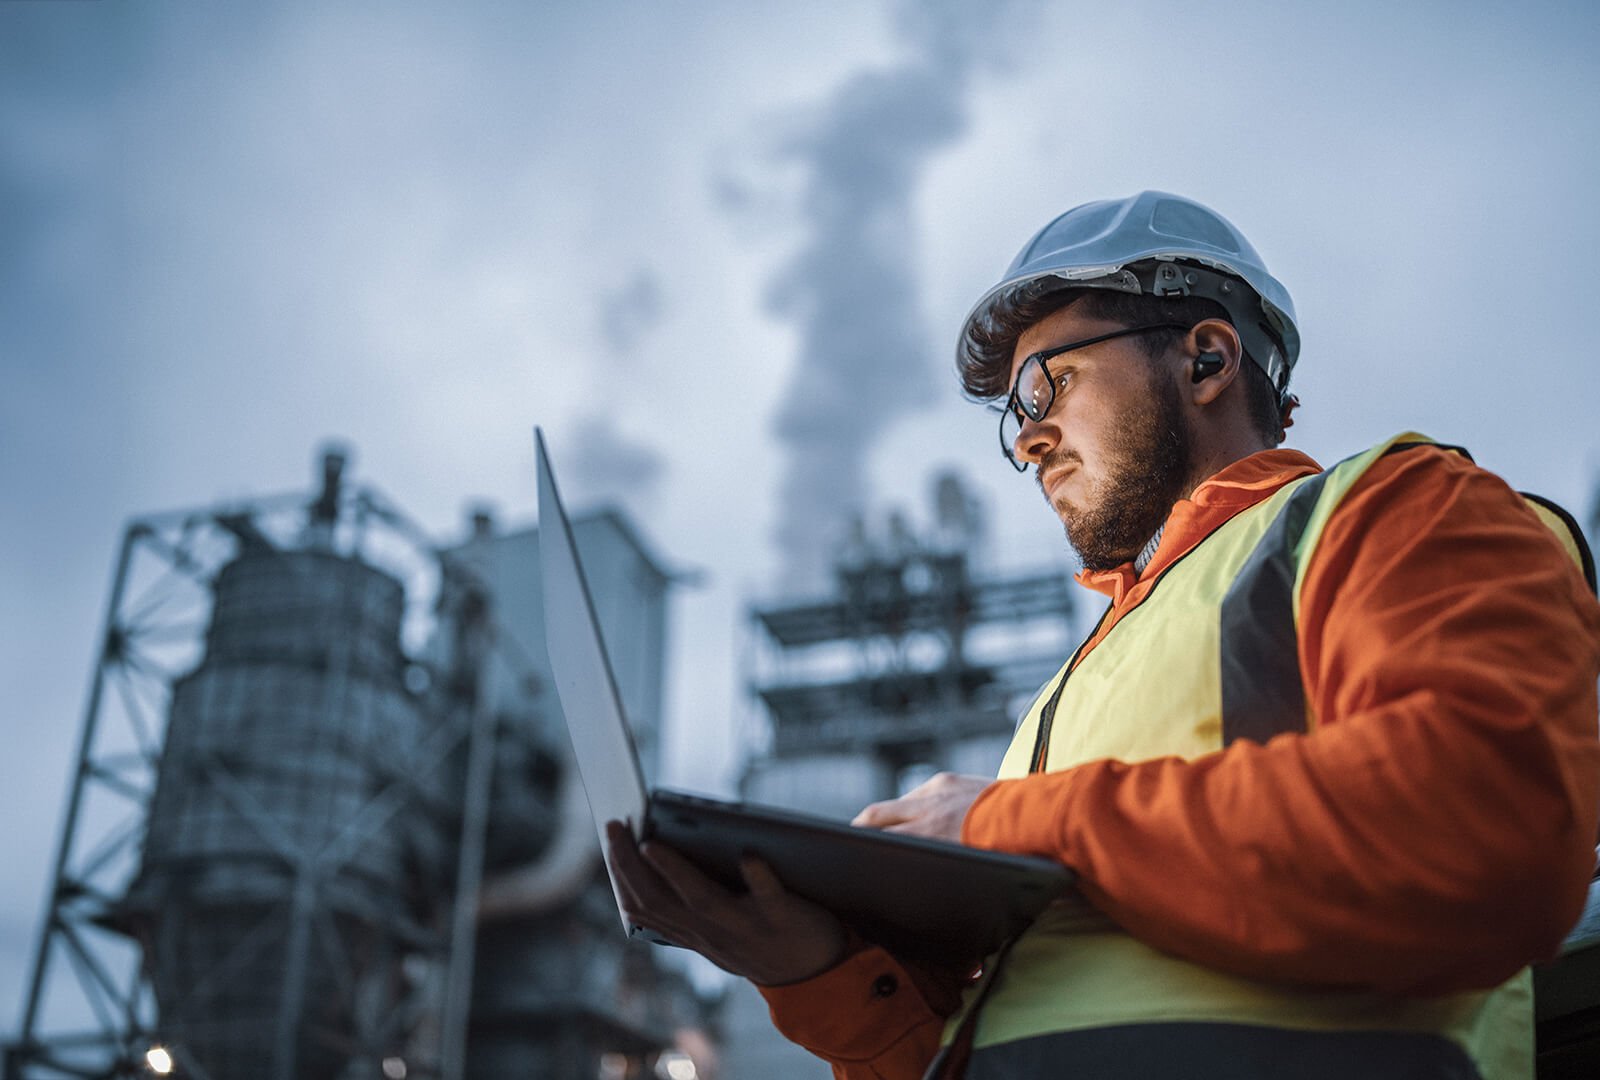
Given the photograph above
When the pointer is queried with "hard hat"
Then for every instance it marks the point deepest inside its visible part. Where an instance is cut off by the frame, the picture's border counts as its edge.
(1162, 245)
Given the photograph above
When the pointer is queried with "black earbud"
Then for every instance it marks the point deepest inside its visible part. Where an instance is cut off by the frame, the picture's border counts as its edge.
(1206, 365)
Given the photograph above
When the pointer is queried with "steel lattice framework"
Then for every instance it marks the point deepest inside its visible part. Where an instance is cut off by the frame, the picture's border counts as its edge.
(90, 1008)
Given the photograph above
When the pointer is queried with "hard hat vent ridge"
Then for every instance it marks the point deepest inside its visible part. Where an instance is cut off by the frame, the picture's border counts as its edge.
(1185, 221)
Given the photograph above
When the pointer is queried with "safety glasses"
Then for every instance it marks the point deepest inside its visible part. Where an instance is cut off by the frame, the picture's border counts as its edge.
(1034, 392)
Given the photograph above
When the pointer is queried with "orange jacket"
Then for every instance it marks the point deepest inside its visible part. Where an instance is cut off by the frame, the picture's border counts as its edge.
(1449, 650)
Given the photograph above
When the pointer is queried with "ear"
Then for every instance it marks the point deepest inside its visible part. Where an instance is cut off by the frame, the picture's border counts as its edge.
(1218, 338)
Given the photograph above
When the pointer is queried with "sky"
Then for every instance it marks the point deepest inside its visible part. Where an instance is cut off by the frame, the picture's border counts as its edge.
(720, 250)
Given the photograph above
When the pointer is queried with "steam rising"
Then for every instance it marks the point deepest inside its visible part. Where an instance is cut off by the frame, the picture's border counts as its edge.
(852, 289)
(608, 465)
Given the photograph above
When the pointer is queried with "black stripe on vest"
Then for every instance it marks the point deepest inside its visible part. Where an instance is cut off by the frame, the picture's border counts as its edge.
(1262, 694)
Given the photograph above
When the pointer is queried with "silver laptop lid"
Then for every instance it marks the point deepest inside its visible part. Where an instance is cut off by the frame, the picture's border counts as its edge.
(601, 742)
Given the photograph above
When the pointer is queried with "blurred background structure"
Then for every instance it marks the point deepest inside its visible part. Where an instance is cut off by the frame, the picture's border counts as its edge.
(919, 660)
(323, 823)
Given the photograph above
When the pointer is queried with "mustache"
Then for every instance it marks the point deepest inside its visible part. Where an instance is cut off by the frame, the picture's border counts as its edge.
(1050, 461)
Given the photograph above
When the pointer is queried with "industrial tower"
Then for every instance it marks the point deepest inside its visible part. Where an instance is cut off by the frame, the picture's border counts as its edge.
(918, 662)
(316, 768)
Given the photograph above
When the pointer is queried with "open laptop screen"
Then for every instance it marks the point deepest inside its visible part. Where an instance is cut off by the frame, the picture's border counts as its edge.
(601, 742)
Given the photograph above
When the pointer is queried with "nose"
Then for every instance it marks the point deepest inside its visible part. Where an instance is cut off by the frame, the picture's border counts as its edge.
(1035, 440)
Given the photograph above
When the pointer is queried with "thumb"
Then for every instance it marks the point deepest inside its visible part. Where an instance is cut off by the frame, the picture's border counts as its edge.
(759, 878)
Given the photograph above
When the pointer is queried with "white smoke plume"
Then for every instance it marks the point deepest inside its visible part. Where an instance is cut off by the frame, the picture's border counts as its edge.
(630, 312)
(607, 464)
(851, 289)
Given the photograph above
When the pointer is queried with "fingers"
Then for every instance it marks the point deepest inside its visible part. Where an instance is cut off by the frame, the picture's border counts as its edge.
(637, 885)
(692, 887)
(768, 935)
(657, 884)
(881, 815)
(935, 808)
(908, 807)
(759, 878)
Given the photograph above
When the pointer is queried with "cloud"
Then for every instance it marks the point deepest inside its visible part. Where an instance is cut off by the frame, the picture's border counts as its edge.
(608, 465)
(629, 312)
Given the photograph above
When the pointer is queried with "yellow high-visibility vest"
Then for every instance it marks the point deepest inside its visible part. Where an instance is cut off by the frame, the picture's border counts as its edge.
(1210, 655)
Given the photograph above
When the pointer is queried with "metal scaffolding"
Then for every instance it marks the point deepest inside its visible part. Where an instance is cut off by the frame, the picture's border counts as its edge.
(915, 661)
(274, 831)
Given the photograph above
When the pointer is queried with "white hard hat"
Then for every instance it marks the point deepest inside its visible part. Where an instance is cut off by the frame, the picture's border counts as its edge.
(1157, 244)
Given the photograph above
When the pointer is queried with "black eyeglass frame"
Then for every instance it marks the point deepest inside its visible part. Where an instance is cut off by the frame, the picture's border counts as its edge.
(1013, 404)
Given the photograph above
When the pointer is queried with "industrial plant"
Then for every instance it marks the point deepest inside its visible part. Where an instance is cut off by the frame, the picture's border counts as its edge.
(321, 822)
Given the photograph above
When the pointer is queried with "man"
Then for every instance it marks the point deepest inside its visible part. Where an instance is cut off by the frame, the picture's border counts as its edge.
(1327, 769)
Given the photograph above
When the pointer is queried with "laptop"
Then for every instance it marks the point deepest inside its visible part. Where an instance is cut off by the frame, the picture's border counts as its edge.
(926, 900)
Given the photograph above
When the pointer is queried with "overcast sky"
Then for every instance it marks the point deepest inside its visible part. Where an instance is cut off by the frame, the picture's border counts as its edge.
(720, 250)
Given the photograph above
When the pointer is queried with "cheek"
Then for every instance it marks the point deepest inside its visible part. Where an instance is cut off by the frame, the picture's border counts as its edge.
(1086, 431)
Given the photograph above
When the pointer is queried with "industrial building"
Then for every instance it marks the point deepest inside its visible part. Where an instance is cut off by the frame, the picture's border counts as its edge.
(916, 661)
(322, 823)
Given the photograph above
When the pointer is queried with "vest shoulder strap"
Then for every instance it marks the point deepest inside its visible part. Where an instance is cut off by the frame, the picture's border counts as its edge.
(1565, 526)
(1262, 693)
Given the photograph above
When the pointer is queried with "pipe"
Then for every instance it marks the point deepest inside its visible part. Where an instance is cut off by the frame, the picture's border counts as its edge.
(558, 875)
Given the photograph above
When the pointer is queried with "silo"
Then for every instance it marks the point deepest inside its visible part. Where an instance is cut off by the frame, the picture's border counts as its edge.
(319, 814)
(290, 844)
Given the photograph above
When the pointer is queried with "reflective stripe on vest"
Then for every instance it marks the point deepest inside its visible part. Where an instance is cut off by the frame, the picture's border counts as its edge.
(1209, 656)
(1259, 660)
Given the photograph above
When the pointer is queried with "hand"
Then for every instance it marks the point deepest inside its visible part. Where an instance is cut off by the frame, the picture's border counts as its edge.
(767, 935)
(935, 808)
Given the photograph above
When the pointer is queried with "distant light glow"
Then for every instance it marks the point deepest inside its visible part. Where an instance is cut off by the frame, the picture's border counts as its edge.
(159, 1061)
(394, 1068)
(674, 1065)
(613, 1066)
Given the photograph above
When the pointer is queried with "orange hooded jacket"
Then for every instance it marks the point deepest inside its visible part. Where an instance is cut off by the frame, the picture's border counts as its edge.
(1449, 649)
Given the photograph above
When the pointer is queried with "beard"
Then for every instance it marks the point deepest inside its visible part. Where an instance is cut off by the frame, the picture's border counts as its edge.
(1146, 471)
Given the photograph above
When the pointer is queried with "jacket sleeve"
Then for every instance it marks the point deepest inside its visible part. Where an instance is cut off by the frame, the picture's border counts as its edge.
(1434, 829)
(871, 1017)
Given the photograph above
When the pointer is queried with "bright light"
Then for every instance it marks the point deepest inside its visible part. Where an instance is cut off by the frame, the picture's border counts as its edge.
(673, 1065)
(159, 1060)
(394, 1068)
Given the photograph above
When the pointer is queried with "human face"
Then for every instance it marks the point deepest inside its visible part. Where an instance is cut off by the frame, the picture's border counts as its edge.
(1113, 454)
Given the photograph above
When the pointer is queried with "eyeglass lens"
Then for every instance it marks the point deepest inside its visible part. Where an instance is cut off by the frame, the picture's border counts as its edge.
(1010, 428)
(1034, 394)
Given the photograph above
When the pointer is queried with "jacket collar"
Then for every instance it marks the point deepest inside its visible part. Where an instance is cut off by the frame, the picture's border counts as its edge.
(1237, 487)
